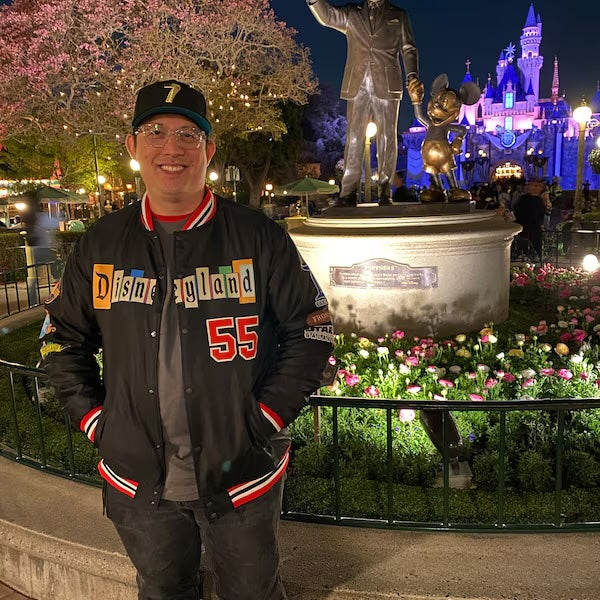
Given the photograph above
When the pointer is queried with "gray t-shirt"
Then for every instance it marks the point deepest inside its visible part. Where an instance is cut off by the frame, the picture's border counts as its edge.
(180, 481)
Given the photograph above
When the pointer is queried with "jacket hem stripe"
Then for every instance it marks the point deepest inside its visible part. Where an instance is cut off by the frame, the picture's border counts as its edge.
(125, 486)
(90, 421)
(271, 416)
(245, 492)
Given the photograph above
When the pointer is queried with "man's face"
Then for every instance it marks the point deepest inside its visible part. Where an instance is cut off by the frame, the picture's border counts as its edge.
(171, 172)
(374, 3)
(535, 188)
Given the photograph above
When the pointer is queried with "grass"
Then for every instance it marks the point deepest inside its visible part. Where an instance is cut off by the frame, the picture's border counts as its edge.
(22, 345)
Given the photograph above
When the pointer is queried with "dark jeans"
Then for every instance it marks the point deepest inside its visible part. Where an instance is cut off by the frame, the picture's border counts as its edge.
(165, 546)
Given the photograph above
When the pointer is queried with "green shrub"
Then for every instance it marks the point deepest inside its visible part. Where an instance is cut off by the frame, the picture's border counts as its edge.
(580, 470)
(533, 472)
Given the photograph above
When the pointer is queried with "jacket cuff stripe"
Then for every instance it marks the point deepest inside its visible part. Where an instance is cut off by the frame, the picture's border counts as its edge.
(245, 492)
(271, 416)
(90, 421)
(125, 486)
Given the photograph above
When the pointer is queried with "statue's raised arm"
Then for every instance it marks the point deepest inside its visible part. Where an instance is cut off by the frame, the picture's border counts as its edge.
(379, 36)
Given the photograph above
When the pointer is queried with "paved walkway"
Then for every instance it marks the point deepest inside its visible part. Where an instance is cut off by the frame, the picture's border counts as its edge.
(7, 594)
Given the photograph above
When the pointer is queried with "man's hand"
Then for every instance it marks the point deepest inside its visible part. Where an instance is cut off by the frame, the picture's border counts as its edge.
(457, 144)
(416, 90)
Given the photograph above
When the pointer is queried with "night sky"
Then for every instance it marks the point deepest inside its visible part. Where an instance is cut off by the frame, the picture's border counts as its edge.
(447, 36)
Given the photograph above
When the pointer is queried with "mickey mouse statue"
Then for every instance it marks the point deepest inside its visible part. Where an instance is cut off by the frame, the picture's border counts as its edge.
(437, 150)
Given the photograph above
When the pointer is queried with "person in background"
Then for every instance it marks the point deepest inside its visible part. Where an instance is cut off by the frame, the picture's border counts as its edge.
(214, 333)
(402, 193)
(529, 213)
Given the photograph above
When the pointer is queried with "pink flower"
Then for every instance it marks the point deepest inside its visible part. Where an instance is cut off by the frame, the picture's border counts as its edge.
(565, 374)
(566, 337)
(413, 389)
(380, 340)
(476, 397)
(490, 382)
(342, 373)
(399, 353)
(589, 318)
(564, 293)
(579, 335)
(521, 281)
(583, 375)
(547, 372)
(331, 360)
(411, 361)
(431, 369)
(406, 415)
(508, 377)
(351, 379)
(372, 392)
(446, 383)
(398, 334)
(471, 375)
(528, 383)
(438, 397)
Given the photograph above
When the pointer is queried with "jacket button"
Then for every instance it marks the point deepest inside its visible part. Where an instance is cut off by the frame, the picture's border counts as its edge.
(156, 493)
(153, 503)
(184, 331)
(188, 390)
(153, 334)
(157, 446)
(151, 392)
(212, 517)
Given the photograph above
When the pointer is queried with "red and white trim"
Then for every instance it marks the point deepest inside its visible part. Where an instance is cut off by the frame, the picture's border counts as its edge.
(125, 486)
(202, 214)
(245, 492)
(90, 421)
(271, 416)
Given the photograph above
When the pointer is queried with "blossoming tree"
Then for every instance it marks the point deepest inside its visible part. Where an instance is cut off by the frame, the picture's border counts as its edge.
(71, 67)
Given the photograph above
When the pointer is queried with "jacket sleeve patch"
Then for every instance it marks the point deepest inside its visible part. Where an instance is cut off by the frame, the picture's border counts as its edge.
(322, 333)
(319, 317)
(47, 326)
(54, 294)
(51, 348)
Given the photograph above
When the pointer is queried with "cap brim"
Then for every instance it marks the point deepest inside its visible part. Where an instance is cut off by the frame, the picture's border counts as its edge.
(161, 110)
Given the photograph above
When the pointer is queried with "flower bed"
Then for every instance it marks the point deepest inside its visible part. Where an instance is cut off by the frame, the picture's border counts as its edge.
(552, 357)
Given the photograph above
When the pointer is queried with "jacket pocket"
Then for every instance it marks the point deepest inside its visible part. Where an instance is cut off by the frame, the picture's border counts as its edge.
(257, 425)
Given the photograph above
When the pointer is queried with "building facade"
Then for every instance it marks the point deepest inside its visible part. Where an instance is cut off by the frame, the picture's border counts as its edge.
(513, 130)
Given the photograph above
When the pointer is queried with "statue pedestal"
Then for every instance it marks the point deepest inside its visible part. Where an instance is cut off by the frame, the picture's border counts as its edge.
(437, 269)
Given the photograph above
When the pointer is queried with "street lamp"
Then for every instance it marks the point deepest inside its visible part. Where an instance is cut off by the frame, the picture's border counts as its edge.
(371, 131)
(135, 167)
(213, 176)
(582, 115)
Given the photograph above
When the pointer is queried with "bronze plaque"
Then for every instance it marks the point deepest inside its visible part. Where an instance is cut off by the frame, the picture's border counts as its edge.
(383, 273)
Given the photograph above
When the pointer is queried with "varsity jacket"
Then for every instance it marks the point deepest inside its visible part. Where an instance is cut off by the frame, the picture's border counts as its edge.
(255, 337)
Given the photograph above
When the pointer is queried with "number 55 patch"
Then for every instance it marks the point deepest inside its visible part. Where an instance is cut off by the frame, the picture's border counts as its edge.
(229, 337)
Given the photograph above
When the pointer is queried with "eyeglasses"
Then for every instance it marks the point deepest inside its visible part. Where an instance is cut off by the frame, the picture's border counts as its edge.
(157, 135)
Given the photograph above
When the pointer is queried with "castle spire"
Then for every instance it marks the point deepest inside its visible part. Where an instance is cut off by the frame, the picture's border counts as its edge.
(555, 82)
(531, 18)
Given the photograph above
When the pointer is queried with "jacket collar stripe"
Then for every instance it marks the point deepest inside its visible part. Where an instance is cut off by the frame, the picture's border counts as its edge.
(89, 422)
(271, 416)
(245, 492)
(201, 215)
(126, 486)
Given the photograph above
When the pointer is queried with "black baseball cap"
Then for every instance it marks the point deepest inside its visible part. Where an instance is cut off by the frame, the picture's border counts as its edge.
(171, 97)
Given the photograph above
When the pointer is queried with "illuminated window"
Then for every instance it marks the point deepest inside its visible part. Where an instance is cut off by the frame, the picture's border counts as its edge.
(508, 123)
(509, 100)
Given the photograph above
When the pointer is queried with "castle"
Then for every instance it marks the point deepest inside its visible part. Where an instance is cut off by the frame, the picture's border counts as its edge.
(512, 130)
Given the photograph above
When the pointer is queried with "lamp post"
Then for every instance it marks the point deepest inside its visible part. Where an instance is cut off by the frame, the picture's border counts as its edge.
(371, 131)
(582, 115)
(135, 167)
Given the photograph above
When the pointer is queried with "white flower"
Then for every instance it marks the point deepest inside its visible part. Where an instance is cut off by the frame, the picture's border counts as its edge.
(492, 338)
(520, 337)
(404, 369)
(526, 397)
(455, 369)
(353, 335)
(500, 355)
(546, 347)
(383, 350)
(440, 371)
(560, 308)
(597, 327)
(527, 373)
(391, 366)
(577, 359)
(573, 298)
(563, 324)
(483, 368)
(380, 372)
(364, 353)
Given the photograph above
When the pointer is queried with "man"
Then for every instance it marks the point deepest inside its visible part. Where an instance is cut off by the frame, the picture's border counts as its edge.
(402, 193)
(214, 333)
(529, 213)
(377, 34)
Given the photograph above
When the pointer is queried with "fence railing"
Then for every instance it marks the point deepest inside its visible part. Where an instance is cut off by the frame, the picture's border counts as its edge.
(27, 286)
(35, 432)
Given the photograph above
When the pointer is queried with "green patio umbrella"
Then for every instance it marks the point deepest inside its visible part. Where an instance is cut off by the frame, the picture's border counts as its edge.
(305, 187)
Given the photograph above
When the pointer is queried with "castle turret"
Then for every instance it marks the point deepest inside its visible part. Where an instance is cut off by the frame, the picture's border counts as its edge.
(501, 68)
(555, 82)
(531, 62)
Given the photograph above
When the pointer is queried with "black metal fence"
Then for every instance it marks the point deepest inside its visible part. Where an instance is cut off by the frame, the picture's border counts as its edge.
(34, 431)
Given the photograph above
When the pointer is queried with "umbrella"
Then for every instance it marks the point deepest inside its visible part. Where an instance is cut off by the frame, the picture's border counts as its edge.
(306, 187)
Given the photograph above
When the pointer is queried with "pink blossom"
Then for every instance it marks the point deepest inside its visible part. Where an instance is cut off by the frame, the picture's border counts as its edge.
(372, 392)
(431, 369)
(508, 377)
(399, 353)
(490, 382)
(406, 415)
(565, 374)
(528, 383)
(331, 360)
(589, 318)
(342, 373)
(547, 372)
(579, 335)
(352, 379)
(380, 340)
(413, 389)
(521, 281)
(476, 397)
(439, 397)
(565, 293)
(566, 337)
(471, 375)
(446, 383)
(398, 334)
(583, 375)
(411, 361)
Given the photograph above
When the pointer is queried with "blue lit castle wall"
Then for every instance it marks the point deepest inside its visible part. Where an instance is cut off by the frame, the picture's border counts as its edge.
(512, 130)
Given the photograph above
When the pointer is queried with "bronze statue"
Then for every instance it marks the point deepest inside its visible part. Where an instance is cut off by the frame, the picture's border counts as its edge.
(437, 150)
(377, 34)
